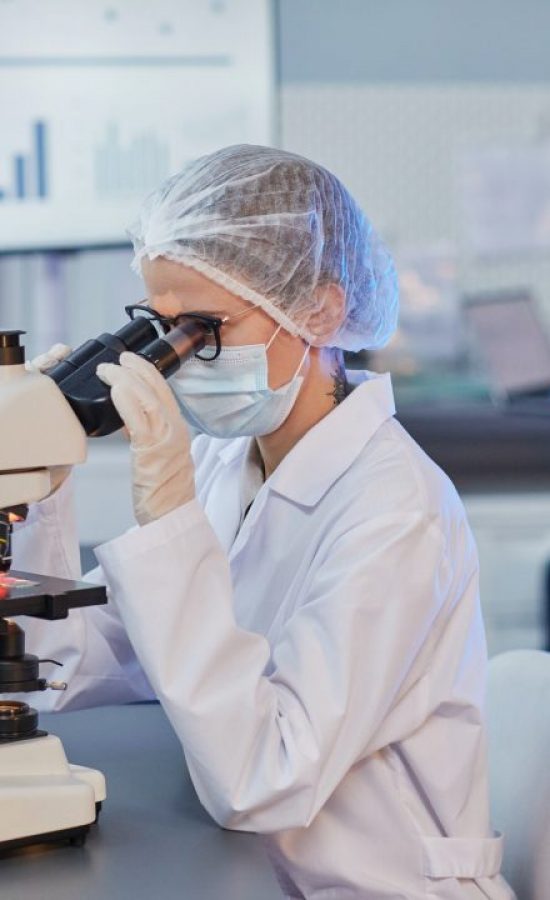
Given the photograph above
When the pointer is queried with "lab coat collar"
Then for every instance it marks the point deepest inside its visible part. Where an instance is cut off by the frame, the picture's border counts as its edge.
(331, 446)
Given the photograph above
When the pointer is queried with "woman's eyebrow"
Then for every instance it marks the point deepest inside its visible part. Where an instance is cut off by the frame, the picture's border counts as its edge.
(195, 309)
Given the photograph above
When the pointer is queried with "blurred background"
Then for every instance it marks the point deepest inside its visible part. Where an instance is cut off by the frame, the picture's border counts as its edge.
(435, 114)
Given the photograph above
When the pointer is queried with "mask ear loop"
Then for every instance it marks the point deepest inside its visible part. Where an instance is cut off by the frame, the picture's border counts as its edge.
(272, 338)
(303, 359)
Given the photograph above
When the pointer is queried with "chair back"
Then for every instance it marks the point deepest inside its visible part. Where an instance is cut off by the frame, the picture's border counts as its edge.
(518, 707)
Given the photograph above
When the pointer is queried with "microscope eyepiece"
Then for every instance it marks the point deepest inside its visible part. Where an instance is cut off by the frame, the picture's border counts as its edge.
(89, 397)
(76, 375)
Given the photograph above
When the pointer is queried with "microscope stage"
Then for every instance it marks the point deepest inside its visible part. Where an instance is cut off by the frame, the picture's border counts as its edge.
(45, 597)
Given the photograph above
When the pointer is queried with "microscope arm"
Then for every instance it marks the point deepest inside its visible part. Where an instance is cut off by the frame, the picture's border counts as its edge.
(39, 431)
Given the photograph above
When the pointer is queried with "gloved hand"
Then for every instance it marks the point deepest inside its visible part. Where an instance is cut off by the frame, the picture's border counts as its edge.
(45, 361)
(162, 469)
(41, 363)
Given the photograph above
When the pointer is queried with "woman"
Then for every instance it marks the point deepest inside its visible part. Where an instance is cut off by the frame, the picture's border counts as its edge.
(302, 590)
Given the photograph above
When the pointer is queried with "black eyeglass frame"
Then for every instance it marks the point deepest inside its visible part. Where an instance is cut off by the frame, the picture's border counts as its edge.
(212, 324)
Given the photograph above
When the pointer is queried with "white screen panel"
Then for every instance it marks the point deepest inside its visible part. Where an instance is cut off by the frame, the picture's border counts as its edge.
(100, 102)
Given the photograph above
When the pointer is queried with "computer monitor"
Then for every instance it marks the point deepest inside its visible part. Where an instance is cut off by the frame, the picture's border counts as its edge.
(100, 102)
(512, 341)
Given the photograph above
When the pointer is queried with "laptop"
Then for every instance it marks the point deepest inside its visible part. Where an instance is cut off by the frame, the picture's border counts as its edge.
(513, 342)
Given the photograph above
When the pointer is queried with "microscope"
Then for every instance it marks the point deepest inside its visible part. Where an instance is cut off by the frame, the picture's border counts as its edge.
(45, 421)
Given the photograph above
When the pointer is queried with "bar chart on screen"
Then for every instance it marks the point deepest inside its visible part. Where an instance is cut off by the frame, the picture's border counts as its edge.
(29, 169)
(119, 168)
(99, 107)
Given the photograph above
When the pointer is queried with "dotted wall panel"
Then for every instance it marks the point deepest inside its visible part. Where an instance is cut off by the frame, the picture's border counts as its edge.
(401, 150)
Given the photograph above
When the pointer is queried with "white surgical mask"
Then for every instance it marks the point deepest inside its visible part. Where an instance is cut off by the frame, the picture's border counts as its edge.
(230, 397)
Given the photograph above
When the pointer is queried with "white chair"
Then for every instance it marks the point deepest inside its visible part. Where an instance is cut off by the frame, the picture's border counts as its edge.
(518, 710)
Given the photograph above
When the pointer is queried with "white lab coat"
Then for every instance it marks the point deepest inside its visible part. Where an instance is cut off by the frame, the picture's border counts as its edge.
(324, 668)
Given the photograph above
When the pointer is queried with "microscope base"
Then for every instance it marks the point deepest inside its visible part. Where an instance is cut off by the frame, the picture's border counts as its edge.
(42, 796)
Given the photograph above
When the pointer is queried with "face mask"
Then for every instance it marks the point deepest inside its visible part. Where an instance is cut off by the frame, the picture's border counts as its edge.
(230, 397)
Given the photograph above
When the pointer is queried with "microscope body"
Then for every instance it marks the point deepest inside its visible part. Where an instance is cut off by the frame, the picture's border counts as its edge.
(42, 796)
(45, 421)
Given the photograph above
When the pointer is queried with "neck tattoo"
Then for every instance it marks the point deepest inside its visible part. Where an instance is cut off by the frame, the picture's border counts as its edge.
(342, 387)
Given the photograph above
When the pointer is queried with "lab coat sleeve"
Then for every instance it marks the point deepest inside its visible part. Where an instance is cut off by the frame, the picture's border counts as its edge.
(265, 752)
(98, 661)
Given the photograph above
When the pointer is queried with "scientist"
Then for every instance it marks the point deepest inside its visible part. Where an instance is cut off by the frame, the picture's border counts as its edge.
(301, 592)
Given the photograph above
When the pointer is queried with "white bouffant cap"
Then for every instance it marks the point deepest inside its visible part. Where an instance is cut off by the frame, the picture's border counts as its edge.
(274, 228)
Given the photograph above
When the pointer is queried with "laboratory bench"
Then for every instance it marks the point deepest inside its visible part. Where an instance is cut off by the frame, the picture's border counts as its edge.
(153, 839)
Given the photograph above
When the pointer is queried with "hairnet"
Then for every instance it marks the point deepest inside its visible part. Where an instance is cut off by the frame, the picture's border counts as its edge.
(274, 228)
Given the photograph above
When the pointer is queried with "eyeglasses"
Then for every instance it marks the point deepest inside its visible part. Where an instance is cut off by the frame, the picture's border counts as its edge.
(163, 324)
(211, 325)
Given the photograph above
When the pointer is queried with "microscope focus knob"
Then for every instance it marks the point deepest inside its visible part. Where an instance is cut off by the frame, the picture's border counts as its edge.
(12, 640)
(57, 685)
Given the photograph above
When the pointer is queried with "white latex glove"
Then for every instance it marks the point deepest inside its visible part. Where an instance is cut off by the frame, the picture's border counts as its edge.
(162, 468)
(41, 363)
(46, 361)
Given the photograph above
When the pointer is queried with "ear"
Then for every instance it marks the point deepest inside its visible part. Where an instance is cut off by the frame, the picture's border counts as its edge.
(325, 321)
